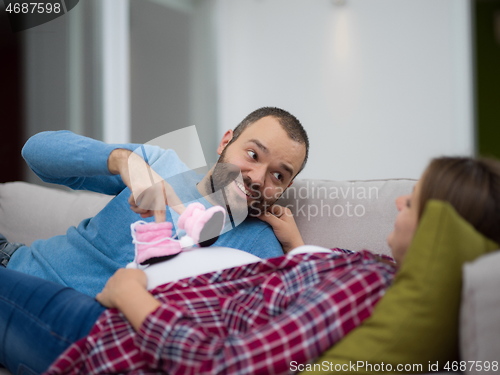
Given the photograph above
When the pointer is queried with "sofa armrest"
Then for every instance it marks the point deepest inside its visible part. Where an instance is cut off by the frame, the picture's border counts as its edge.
(29, 212)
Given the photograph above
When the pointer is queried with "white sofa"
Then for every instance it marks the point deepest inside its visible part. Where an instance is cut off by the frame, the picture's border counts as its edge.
(348, 214)
(355, 215)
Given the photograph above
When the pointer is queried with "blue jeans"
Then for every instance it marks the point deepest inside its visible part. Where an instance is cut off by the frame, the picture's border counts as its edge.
(7, 249)
(39, 320)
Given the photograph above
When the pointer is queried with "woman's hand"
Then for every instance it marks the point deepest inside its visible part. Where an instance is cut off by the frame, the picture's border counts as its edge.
(126, 291)
(120, 284)
(284, 226)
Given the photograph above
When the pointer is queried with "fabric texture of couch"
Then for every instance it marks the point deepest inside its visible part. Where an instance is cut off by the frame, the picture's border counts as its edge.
(347, 214)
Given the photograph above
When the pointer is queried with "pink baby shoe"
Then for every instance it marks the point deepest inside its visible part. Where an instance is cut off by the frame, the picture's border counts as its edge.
(202, 225)
(153, 242)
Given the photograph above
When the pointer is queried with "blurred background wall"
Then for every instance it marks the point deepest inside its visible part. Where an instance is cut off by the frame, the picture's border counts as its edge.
(380, 85)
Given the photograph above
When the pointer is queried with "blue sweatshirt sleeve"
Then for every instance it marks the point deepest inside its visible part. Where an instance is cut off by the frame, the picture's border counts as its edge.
(265, 245)
(253, 236)
(81, 163)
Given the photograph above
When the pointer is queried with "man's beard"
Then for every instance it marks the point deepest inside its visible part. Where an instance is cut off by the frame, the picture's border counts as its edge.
(225, 173)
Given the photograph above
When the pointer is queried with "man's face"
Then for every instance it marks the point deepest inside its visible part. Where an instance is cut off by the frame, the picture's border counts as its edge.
(267, 158)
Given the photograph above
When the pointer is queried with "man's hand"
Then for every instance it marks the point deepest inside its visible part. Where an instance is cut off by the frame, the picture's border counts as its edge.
(150, 193)
(126, 291)
(150, 202)
(284, 226)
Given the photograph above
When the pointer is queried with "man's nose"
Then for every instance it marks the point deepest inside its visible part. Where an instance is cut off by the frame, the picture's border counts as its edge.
(257, 175)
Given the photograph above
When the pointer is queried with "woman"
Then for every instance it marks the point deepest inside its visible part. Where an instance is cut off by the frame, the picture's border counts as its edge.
(266, 314)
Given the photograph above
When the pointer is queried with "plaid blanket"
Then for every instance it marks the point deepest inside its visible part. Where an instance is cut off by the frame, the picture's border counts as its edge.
(262, 318)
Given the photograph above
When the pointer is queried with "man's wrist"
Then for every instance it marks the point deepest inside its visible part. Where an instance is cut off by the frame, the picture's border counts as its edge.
(117, 158)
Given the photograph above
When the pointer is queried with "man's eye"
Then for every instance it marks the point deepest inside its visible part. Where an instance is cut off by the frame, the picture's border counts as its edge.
(252, 154)
(277, 175)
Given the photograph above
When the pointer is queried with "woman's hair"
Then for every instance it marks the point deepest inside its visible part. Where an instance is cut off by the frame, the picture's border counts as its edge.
(471, 186)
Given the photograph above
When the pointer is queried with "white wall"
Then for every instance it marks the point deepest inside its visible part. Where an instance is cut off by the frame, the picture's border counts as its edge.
(159, 61)
(123, 71)
(380, 85)
(173, 70)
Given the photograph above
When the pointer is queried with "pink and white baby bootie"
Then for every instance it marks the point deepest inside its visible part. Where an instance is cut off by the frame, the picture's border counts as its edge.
(153, 243)
(202, 225)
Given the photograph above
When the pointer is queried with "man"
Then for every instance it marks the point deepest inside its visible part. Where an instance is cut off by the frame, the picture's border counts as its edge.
(269, 147)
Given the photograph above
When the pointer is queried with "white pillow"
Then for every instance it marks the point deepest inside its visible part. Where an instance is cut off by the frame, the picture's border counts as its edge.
(479, 322)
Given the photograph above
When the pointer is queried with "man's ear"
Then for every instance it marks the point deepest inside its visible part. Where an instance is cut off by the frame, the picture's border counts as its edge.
(228, 135)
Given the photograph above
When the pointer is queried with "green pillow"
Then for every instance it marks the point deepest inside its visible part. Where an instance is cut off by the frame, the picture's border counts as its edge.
(415, 325)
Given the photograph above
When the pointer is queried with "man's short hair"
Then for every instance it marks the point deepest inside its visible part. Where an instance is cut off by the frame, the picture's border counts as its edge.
(289, 123)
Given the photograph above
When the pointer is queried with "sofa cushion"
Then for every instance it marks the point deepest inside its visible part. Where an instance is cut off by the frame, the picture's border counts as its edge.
(354, 215)
(416, 322)
(479, 323)
(29, 212)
